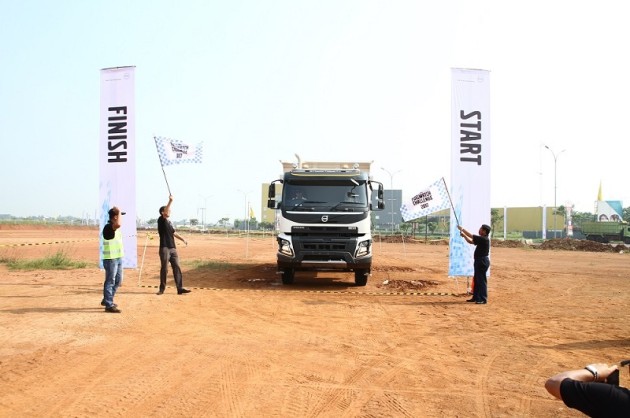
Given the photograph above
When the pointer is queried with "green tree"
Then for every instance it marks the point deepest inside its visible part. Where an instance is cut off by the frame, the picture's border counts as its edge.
(496, 217)
(266, 225)
(625, 214)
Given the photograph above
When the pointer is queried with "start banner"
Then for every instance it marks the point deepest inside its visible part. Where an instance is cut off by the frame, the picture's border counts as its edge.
(117, 156)
(470, 162)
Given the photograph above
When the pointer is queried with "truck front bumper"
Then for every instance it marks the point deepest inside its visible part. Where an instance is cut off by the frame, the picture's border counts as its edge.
(320, 253)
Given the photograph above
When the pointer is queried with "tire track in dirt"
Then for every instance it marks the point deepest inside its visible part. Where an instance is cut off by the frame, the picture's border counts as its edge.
(326, 397)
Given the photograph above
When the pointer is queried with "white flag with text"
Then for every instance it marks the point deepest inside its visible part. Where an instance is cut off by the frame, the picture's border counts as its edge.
(430, 200)
(172, 151)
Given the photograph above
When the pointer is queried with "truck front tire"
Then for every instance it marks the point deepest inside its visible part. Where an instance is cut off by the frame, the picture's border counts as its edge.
(361, 277)
(287, 276)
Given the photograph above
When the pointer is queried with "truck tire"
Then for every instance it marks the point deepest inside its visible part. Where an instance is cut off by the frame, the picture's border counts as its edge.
(361, 277)
(287, 276)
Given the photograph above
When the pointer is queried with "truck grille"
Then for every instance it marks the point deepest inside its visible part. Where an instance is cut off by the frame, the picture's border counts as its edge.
(329, 231)
(323, 246)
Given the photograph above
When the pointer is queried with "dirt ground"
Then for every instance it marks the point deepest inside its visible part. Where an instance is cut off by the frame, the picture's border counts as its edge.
(243, 345)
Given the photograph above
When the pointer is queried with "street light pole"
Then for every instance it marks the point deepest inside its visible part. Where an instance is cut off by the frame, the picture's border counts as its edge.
(391, 185)
(245, 194)
(555, 185)
(203, 211)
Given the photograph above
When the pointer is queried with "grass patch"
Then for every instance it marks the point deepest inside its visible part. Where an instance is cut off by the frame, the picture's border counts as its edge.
(57, 261)
(216, 265)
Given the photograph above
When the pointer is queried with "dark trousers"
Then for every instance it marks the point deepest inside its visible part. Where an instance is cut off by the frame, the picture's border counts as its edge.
(170, 255)
(480, 289)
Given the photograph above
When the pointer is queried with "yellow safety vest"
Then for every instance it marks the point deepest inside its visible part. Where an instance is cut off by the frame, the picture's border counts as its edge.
(113, 248)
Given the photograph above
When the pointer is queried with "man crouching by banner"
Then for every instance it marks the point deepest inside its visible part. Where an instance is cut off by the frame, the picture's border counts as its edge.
(112, 259)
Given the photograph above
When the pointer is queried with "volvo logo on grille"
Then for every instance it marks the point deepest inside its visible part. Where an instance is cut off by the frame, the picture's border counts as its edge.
(325, 218)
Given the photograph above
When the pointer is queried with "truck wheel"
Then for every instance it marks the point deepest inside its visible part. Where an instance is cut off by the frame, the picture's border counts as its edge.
(361, 277)
(287, 276)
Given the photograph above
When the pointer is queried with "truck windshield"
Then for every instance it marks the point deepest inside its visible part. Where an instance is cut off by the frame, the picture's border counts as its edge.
(325, 196)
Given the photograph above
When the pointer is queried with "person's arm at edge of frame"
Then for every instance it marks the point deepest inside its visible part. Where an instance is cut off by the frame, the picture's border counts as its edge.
(465, 234)
(582, 375)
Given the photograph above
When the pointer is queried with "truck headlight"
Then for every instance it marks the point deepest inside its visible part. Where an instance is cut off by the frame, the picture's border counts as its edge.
(363, 248)
(284, 247)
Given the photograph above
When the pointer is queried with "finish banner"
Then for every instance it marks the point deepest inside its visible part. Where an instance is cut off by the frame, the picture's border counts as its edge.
(117, 156)
(470, 163)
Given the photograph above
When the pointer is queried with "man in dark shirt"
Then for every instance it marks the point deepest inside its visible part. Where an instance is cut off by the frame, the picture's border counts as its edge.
(168, 250)
(587, 391)
(482, 262)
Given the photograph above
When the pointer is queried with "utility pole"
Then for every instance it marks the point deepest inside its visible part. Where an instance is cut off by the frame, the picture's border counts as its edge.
(555, 185)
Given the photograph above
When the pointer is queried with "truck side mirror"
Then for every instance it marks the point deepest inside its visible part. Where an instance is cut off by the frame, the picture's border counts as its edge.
(271, 194)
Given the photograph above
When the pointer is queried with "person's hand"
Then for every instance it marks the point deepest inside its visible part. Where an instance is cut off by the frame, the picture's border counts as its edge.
(603, 370)
(460, 227)
(170, 198)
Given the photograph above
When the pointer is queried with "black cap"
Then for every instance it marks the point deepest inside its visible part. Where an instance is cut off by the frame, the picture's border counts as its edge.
(115, 211)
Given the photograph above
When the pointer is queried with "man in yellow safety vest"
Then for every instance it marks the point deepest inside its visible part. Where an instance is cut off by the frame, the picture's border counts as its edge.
(112, 259)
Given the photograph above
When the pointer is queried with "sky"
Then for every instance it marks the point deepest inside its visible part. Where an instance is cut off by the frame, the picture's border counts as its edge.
(261, 81)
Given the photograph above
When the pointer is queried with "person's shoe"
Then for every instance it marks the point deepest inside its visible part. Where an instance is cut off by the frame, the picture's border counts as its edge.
(103, 303)
(160, 292)
(481, 302)
(181, 292)
(471, 300)
(113, 309)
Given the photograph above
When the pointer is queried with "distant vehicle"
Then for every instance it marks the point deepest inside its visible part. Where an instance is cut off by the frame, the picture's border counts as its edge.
(606, 231)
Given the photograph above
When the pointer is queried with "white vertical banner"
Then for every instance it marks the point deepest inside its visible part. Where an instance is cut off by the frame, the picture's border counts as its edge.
(117, 155)
(470, 163)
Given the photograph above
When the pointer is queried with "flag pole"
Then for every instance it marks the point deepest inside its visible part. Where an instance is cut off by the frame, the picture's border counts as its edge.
(450, 200)
(162, 165)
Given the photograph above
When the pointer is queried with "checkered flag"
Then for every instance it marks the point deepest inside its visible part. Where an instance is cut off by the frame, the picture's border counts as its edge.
(432, 199)
(172, 151)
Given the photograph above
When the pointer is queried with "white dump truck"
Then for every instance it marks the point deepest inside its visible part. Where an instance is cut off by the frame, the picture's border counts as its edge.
(323, 218)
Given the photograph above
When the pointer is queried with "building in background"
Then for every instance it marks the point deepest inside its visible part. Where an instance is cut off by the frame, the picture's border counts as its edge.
(388, 220)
